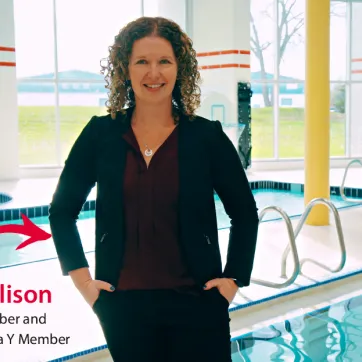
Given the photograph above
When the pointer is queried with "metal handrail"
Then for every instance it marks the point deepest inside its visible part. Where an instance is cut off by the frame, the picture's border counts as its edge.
(292, 246)
(344, 180)
(301, 224)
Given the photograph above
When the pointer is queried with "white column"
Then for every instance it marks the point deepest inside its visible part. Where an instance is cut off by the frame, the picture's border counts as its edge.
(356, 88)
(221, 36)
(171, 9)
(9, 159)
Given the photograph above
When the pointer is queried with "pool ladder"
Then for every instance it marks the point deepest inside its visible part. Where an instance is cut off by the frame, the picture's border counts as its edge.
(292, 243)
(344, 180)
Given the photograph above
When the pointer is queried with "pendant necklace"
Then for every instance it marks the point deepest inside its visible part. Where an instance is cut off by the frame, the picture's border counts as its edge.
(148, 152)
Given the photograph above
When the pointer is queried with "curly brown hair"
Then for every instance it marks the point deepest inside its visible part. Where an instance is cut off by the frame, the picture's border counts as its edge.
(186, 93)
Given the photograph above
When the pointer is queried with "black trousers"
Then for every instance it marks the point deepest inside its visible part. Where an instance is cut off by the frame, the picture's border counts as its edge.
(165, 325)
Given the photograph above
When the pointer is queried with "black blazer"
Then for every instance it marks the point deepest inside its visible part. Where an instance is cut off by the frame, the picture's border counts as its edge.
(208, 161)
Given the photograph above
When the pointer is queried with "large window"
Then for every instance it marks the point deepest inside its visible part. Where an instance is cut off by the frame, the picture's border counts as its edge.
(60, 86)
(37, 127)
(58, 69)
(277, 31)
(262, 126)
(262, 38)
(34, 38)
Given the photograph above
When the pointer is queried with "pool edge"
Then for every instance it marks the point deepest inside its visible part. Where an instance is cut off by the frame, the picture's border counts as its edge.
(7, 213)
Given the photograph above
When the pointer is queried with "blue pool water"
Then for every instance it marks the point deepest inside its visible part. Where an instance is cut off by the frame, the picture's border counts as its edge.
(331, 334)
(292, 203)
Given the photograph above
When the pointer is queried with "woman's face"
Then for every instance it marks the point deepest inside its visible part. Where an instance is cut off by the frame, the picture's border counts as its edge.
(152, 70)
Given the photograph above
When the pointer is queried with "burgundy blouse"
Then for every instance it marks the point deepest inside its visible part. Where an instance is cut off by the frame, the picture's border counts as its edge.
(152, 258)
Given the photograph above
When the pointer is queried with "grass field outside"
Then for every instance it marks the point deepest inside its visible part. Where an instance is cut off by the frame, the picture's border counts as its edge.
(37, 132)
(291, 133)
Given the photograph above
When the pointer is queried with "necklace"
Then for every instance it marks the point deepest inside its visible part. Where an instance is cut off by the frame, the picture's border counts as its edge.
(148, 151)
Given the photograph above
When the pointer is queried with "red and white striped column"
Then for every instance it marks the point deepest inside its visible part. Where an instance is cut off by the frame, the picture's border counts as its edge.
(221, 35)
(9, 159)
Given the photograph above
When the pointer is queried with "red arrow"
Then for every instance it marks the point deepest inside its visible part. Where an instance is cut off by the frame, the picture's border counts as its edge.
(28, 229)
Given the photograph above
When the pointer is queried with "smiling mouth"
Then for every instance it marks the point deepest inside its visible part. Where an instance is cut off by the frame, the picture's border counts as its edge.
(154, 86)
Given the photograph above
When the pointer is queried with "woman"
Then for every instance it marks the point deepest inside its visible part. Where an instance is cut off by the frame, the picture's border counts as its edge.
(159, 290)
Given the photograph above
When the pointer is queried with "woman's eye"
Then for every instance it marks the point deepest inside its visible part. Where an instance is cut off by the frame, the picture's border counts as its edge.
(162, 61)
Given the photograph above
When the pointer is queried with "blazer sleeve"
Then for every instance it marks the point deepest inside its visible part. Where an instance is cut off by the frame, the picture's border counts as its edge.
(232, 186)
(77, 179)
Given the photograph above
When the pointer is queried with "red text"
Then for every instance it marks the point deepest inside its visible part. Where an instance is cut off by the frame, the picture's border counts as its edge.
(9, 295)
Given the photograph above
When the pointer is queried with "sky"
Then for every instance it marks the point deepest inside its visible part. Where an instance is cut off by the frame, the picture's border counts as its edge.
(86, 28)
(293, 61)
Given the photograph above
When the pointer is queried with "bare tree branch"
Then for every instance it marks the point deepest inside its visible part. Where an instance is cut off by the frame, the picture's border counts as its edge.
(289, 31)
(286, 39)
(256, 47)
(338, 10)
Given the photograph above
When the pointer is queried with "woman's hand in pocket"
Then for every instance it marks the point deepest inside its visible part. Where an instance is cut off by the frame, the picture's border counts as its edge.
(91, 288)
(227, 287)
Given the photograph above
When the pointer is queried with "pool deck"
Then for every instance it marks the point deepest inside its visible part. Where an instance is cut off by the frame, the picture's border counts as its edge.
(69, 315)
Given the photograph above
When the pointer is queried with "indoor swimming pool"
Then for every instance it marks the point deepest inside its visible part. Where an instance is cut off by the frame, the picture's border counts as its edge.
(331, 334)
(291, 202)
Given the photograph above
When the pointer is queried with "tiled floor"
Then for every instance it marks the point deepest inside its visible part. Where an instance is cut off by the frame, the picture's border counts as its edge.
(69, 315)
